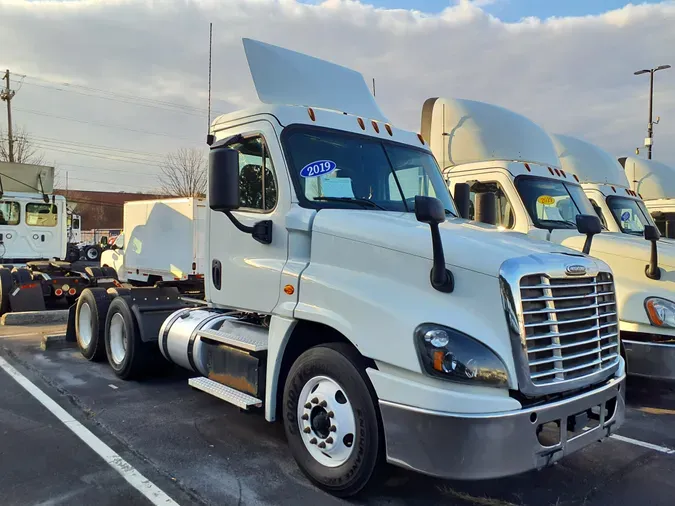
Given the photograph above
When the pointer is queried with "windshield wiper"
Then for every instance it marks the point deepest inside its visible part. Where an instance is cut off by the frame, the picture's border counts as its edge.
(566, 222)
(448, 211)
(355, 200)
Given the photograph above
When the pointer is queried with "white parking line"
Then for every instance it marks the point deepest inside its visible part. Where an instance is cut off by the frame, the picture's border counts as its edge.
(153, 493)
(644, 444)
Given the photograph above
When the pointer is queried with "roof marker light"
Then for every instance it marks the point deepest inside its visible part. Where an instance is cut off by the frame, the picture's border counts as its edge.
(551, 171)
(613, 189)
(419, 136)
(575, 177)
(387, 126)
(361, 124)
(527, 166)
(557, 172)
(563, 173)
(312, 116)
(376, 127)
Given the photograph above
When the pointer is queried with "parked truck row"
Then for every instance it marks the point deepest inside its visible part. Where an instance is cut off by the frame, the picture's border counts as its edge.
(346, 291)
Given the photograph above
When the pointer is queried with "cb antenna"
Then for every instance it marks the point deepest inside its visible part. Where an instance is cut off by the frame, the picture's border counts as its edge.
(209, 136)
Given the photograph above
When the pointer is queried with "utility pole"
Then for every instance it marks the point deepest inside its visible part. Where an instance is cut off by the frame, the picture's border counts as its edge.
(649, 141)
(7, 96)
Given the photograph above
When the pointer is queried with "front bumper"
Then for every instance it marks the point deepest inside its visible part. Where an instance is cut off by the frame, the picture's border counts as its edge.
(651, 360)
(494, 445)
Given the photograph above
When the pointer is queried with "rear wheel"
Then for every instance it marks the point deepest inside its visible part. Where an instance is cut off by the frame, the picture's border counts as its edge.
(94, 272)
(128, 355)
(92, 253)
(331, 420)
(109, 272)
(90, 314)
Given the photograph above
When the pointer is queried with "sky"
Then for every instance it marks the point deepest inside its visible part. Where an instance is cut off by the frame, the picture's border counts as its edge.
(106, 88)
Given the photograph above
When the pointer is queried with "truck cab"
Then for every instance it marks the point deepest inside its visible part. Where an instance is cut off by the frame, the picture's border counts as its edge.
(655, 183)
(499, 152)
(347, 298)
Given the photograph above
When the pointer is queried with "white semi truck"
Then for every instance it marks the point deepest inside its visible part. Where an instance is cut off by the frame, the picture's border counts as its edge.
(655, 183)
(34, 241)
(623, 211)
(507, 157)
(162, 241)
(345, 298)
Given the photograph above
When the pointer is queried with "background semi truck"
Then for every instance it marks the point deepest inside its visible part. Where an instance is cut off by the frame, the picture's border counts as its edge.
(655, 183)
(34, 241)
(506, 156)
(346, 299)
(162, 240)
(623, 212)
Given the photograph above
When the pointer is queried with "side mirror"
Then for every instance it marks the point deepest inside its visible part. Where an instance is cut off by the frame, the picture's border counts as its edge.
(104, 241)
(223, 179)
(652, 235)
(430, 210)
(462, 199)
(588, 225)
(224, 190)
(486, 208)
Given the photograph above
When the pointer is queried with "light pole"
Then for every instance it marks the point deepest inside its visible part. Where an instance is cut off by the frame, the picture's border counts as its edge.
(650, 128)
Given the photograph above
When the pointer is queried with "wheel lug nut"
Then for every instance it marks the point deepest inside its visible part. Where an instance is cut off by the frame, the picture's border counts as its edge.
(333, 428)
(308, 405)
(331, 414)
(305, 416)
(315, 400)
(323, 404)
(329, 440)
(322, 445)
(306, 430)
(312, 441)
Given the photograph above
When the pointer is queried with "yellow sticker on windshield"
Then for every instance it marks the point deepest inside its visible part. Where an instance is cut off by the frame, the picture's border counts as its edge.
(546, 200)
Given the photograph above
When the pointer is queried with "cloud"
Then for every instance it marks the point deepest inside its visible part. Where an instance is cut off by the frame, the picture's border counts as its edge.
(572, 75)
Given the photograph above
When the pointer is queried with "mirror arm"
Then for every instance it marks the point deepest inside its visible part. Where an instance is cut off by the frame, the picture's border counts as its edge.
(261, 231)
(441, 278)
(587, 244)
(652, 270)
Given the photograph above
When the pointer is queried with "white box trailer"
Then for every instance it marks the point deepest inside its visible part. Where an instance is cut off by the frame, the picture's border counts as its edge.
(162, 240)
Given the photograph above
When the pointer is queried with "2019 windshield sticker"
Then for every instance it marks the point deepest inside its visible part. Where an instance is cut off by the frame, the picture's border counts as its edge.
(546, 200)
(318, 168)
(625, 216)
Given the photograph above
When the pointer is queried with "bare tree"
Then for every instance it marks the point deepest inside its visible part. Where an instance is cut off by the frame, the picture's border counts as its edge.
(184, 173)
(24, 148)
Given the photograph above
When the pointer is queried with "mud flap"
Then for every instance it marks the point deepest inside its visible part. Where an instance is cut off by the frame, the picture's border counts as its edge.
(70, 328)
(27, 297)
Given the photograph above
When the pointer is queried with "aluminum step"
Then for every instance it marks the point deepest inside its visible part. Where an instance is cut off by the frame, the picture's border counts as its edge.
(243, 336)
(240, 399)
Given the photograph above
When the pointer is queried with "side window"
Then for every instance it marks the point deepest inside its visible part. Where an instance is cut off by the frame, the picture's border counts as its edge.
(41, 215)
(598, 211)
(505, 215)
(10, 213)
(257, 180)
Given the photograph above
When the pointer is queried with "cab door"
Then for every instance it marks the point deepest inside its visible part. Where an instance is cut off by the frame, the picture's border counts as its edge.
(245, 273)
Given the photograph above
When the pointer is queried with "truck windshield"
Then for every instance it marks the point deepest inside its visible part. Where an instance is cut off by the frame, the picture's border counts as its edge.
(631, 215)
(331, 168)
(553, 204)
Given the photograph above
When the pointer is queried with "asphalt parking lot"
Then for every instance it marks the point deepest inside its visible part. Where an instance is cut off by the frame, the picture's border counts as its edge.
(196, 449)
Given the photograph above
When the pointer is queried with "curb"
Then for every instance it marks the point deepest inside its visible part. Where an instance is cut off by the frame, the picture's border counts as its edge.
(35, 317)
(50, 341)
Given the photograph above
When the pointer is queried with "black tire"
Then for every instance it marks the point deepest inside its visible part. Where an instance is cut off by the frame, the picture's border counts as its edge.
(139, 358)
(343, 365)
(94, 272)
(92, 253)
(21, 276)
(73, 253)
(96, 301)
(109, 272)
(6, 285)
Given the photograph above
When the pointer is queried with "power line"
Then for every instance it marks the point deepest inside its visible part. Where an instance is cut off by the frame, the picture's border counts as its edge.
(153, 174)
(115, 183)
(125, 99)
(95, 123)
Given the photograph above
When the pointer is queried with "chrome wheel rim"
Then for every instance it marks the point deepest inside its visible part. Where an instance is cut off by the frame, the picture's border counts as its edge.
(118, 339)
(326, 421)
(85, 325)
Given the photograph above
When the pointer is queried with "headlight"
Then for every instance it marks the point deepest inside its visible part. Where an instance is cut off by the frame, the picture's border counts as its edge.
(661, 312)
(449, 354)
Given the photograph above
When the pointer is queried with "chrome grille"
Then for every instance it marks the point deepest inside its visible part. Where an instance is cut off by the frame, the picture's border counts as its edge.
(570, 327)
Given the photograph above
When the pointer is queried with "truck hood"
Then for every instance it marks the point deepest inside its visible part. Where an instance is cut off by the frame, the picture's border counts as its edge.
(625, 245)
(467, 244)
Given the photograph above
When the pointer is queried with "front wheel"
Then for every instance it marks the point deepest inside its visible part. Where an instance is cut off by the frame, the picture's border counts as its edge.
(92, 253)
(331, 419)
